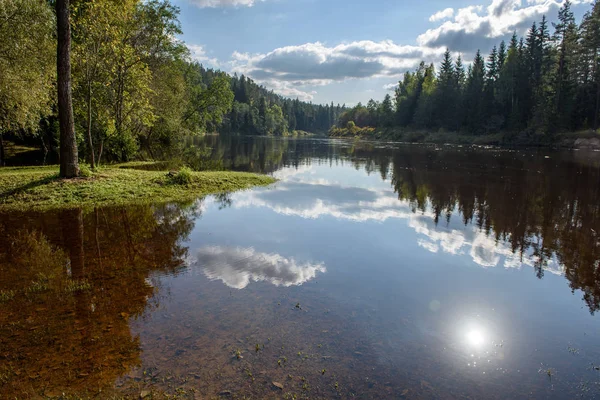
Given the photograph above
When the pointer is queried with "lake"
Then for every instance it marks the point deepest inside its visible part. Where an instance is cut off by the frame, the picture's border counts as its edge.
(369, 270)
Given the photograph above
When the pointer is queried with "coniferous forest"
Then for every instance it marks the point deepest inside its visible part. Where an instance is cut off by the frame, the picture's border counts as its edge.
(544, 83)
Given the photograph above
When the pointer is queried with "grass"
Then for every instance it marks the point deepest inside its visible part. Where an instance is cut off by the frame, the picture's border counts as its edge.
(40, 188)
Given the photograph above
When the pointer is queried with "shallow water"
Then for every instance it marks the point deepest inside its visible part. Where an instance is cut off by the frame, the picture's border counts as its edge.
(370, 270)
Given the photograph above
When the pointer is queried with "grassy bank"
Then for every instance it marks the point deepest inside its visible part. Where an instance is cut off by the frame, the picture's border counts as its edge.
(39, 188)
(586, 139)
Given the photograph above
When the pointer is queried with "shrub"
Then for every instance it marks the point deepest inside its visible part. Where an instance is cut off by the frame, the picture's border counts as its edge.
(84, 171)
(183, 177)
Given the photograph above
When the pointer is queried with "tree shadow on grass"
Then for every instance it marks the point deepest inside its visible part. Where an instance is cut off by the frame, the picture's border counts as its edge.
(30, 185)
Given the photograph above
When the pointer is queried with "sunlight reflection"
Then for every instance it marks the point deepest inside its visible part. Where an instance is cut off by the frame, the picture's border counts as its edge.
(475, 337)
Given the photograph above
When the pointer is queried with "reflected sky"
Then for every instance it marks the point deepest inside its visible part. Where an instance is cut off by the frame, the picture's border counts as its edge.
(323, 191)
(237, 267)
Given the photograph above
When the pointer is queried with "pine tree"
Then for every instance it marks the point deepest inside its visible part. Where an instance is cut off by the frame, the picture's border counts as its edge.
(387, 113)
(501, 56)
(425, 104)
(445, 93)
(589, 66)
(565, 39)
(460, 79)
(473, 94)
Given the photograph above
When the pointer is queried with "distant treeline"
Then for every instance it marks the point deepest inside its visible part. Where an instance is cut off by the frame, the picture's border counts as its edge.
(257, 111)
(541, 84)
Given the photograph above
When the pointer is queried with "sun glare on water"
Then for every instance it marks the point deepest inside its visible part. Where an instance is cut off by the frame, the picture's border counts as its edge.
(475, 337)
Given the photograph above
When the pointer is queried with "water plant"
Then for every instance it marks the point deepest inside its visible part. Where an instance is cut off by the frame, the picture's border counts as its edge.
(73, 286)
(6, 295)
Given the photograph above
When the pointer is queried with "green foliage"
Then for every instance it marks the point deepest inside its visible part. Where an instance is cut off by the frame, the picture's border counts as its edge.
(85, 171)
(257, 111)
(135, 88)
(182, 177)
(27, 63)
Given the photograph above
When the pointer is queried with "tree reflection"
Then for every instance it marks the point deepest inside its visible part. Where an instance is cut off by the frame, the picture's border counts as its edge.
(76, 281)
(545, 210)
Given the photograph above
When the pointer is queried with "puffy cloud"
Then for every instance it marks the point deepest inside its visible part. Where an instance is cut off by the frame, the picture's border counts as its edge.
(198, 53)
(236, 267)
(318, 64)
(289, 70)
(441, 15)
(476, 27)
(223, 3)
(390, 86)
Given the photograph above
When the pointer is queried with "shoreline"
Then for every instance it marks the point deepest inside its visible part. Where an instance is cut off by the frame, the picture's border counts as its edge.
(587, 140)
(40, 189)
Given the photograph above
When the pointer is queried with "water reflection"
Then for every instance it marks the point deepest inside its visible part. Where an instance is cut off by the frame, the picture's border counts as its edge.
(369, 271)
(509, 208)
(237, 267)
(475, 337)
(65, 328)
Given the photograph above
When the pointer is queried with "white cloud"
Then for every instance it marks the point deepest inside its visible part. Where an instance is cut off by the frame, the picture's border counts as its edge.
(318, 64)
(287, 70)
(223, 3)
(441, 15)
(198, 53)
(390, 86)
(236, 267)
(476, 27)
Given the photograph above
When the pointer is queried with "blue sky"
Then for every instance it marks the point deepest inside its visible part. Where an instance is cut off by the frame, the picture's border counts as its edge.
(348, 51)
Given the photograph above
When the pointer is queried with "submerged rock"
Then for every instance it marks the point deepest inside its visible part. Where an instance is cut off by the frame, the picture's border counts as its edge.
(144, 394)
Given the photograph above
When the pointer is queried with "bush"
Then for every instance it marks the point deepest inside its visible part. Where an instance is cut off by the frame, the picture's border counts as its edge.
(84, 171)
(183, 177)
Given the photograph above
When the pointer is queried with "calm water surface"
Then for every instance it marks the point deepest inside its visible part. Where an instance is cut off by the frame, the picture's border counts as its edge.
(372, 271)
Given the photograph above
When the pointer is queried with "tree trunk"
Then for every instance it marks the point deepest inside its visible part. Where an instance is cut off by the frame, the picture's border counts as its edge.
(69, 164)
(44, 149)
(597, 105)
(72, 227)
(89, 127)
(100, 151)
(2, 155)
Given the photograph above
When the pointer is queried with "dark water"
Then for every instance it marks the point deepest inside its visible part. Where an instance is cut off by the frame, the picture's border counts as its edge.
(368, 271)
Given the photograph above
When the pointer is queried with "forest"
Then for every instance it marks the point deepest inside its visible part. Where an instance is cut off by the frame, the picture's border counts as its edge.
(136, 91)
(540, 85)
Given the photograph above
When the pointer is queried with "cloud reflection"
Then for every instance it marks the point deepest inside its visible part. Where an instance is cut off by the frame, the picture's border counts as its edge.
(301, 195)
(236, 267)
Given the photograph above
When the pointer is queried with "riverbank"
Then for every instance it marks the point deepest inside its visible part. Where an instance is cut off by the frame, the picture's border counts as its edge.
(40, 188)
(575, 140)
